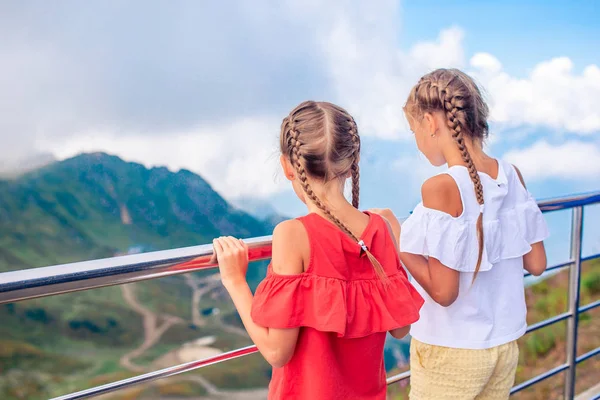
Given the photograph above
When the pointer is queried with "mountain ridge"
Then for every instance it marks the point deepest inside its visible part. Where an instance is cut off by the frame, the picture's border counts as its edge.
(99, 204)
(94, 206)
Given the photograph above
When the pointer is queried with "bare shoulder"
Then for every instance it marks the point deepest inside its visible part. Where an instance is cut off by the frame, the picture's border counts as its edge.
(520, 176)
(290, 246)
(441, 193)
(289, 229)
(390, 219)
(386, 213)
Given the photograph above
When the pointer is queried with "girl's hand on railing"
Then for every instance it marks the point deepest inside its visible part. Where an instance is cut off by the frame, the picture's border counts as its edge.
(232, 256)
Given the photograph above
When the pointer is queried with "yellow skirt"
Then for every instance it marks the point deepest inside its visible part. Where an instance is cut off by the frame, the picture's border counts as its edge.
(440, 373)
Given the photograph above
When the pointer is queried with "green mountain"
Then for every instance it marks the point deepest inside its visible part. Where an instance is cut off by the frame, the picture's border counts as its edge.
(97, 205)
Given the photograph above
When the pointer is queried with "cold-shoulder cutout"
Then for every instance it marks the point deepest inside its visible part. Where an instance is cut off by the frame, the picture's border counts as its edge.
(339, 291)
(512, 222)
(490, 309)
(291, 248)
(520, 176)
(441, 193)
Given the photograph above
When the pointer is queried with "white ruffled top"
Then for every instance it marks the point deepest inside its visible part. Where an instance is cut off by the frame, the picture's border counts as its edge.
(491, 311)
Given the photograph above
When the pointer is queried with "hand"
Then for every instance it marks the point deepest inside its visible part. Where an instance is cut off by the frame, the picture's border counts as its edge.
(232, 256)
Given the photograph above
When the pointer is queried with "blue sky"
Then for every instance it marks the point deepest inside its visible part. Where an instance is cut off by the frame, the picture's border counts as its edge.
(519, 33)
(204, 85)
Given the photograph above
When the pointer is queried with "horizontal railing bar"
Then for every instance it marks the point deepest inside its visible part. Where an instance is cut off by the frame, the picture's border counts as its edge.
(48, 281)
(554, 267)
(27, 284)
(163, 373)
(539, 378)
(406, 374)
(179, 369)
(559, 266)
(549, 321)
(587, 355)
(564, 203)
(589, 258)
(589, 306)
(398, 377)
(567, 264)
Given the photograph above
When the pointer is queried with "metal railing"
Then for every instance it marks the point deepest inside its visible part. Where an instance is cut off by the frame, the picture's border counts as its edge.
(49, 281)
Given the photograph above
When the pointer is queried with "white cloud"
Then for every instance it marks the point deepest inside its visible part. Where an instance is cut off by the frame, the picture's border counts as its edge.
(372, 76)
(173, 93)
(486, 62)
(356, 55)
(447, 51)
(553, 95)
(570, 160)
(238, 159)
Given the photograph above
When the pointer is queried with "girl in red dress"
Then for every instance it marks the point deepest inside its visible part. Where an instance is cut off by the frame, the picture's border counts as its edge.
(335, 285)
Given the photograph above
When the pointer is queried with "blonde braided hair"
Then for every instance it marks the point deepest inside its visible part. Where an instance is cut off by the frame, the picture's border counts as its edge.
(321, 141)
(455, 94)
(354, 167)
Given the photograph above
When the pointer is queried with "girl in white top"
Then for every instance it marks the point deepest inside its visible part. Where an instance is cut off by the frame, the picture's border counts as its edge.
(466, 245)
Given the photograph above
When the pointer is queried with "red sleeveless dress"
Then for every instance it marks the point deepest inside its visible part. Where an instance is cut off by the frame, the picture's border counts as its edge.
(344, 311)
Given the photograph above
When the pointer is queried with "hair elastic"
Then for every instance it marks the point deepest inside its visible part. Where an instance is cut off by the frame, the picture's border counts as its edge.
(363, 245)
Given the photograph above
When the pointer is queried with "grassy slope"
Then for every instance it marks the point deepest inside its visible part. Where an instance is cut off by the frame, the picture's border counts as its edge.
(72, 211)
(545, 349)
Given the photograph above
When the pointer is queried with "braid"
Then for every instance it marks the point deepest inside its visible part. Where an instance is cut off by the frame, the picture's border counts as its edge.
(354, 167)
(456, 94)
(455, 115)
(293, 140)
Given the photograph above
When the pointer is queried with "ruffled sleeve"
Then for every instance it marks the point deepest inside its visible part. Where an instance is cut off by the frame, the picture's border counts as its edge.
(453, 241)
(351, 309)
(531, 222)
(433, 233)
(520, 227)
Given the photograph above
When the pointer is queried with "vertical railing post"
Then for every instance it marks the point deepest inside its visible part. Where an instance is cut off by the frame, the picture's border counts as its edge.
(574, 282)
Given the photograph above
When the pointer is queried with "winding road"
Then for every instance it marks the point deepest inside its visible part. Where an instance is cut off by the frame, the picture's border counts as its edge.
(152, 330)
(156, 325)
(209, 283)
